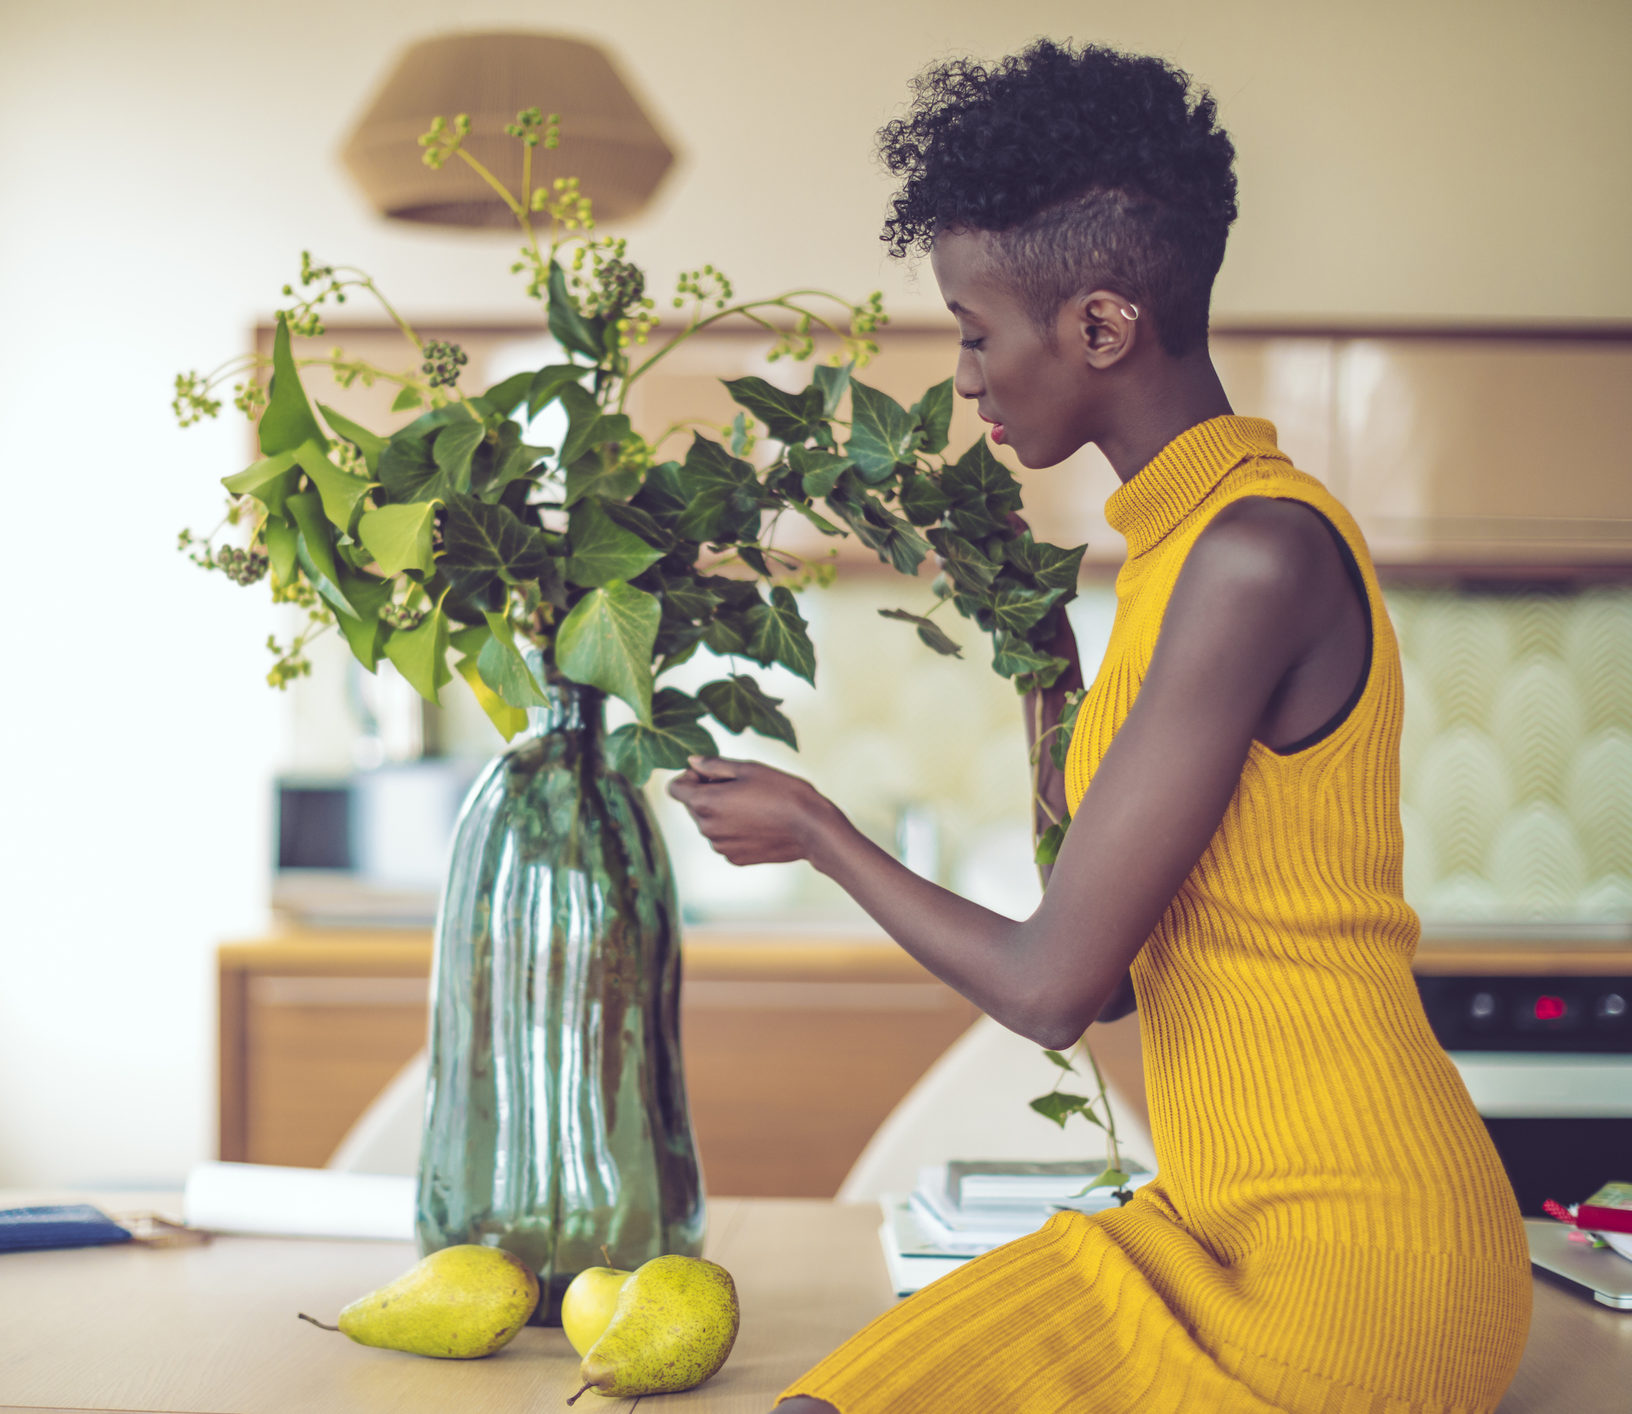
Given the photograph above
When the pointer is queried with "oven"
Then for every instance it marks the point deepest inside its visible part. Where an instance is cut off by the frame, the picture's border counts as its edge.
(1542, 1035)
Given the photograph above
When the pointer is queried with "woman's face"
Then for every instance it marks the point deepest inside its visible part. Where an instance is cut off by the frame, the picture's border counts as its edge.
(1039, 396)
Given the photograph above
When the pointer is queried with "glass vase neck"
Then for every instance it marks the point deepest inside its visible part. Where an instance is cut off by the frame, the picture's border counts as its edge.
(570, 707)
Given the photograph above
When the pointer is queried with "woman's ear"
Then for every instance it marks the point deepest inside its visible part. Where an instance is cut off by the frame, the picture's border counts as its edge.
(1106, 327)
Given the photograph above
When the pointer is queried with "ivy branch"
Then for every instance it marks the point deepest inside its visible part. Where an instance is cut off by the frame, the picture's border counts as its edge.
(1059, 1105)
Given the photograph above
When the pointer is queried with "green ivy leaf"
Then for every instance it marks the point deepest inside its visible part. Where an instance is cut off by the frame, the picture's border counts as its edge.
(602, 477)
(833, 382)
(983, 492)
(818, 472)
(587, 425)
(606, 642)
(1014, 656)
(281, 550)
(409, 472)
(636, 750)
(932, 416)
(420, 654)
(550, 382)
(661, 495)
(1016, 609)
(287, 421)
(342, 493)
(1048, 566)
(1030, 668)
(365, 634)
(452, 451)
(1048, 845)
(641, 522)
(721, 495)
(365, 638)
(1060, 1060)
(922, 499)
(928, 630)
(515, 462)
(1059, 1107)
(409, 397)
(789, 417)
(689, 598)
(777, 634)
(738, 703)
(271, 481)
(509, 720)
(603, 551)
(1110, 1178)
(964, 563)
(399, 536)
(368, 443)
(315, 549)
(502, 667)
(572, 331)
(481, 539)
(881, 433)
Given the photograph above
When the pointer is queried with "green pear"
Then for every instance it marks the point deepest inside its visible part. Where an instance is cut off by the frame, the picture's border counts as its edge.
(456, 1304)
(588, 1303)
(672, 1328)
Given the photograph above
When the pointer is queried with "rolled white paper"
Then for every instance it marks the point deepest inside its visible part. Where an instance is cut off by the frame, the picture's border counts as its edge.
(268, 1201)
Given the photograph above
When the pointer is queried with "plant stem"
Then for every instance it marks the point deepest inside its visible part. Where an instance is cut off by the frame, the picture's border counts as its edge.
(1113, 1157)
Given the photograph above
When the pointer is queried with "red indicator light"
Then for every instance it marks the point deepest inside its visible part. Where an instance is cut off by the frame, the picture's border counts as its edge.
(1549, 1008)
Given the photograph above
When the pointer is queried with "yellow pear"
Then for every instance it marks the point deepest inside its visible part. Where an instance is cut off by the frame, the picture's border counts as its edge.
(456, 1304)
(588, 1303)
(673, 1326)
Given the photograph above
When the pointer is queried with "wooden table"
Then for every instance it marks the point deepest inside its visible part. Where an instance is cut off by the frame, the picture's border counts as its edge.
(212, 1329)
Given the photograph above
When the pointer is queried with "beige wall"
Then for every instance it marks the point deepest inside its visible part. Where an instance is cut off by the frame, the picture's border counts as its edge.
(161, 167)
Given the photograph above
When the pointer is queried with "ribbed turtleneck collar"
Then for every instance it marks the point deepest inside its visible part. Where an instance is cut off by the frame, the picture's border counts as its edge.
(1177, 479)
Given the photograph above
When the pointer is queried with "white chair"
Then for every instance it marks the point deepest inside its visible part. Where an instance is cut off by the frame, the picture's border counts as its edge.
(974, 1103)
(385, 1137)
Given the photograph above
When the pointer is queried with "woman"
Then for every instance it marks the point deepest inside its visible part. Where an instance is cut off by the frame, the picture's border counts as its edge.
(1330, 1228)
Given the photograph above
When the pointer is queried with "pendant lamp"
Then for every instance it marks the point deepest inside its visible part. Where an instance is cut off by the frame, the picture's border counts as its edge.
(607, 139)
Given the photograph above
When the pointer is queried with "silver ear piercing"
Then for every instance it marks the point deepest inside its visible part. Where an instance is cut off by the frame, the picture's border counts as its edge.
(1132, 311)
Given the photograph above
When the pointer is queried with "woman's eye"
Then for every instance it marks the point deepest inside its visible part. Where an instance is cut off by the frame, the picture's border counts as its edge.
(973, 344)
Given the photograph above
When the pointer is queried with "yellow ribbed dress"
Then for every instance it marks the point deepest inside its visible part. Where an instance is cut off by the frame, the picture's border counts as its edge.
(1330, 1229)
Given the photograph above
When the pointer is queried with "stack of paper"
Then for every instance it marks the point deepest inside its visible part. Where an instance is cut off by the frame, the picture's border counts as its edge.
(964, 1208)
(291, 1202)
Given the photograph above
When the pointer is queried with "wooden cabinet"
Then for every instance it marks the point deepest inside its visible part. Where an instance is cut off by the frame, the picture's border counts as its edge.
(795, 1049)
(1494, 449)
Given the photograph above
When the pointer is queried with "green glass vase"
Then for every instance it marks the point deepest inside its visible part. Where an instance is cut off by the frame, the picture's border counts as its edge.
(555, 1111)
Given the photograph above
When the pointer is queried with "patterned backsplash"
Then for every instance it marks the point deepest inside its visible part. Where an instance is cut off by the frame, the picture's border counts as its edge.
(1516, 757)
(1516, 763)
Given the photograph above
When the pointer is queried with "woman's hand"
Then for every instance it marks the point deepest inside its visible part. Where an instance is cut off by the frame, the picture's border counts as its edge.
(751, 813)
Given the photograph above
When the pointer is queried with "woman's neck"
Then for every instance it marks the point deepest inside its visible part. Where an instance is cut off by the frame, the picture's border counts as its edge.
(1171, 397)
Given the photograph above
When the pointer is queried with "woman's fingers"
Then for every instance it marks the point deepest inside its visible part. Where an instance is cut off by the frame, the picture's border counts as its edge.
(715, 768)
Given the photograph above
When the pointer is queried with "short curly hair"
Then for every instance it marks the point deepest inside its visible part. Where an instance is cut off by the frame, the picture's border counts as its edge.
(1093, 168)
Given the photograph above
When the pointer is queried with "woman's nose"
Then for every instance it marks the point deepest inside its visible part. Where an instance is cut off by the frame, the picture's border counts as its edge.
(967, 382)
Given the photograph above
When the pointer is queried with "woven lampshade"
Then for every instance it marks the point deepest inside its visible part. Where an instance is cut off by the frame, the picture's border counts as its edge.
(607, 140)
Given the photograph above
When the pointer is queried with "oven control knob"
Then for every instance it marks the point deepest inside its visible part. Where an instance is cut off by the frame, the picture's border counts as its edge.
(1611, 1006)
(1481, 1007)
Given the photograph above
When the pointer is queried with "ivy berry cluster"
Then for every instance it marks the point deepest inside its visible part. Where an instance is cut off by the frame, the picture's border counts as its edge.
(442, 361)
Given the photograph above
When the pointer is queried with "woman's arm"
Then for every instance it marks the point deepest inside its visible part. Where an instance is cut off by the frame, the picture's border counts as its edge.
(1239, 618)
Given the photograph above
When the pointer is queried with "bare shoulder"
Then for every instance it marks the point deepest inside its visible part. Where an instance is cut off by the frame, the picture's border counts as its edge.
(1262, 558)
(1264, 540)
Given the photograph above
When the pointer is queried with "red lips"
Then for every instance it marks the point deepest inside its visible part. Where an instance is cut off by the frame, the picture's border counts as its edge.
(997, 428)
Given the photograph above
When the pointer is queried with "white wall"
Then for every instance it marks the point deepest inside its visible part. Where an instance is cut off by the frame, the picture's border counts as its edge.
(163, 164)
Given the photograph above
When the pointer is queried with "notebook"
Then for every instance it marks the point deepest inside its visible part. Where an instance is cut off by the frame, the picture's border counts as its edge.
(1601, 1272)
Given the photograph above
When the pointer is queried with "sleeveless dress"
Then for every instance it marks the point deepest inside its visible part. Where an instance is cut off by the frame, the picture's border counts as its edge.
(1330, 1230)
